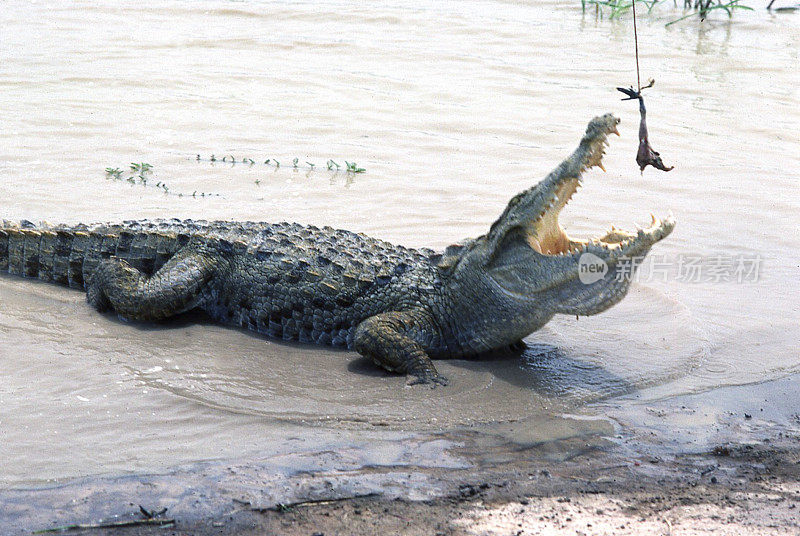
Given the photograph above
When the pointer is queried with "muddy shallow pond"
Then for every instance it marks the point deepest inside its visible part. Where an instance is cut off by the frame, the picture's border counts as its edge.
(451, 109)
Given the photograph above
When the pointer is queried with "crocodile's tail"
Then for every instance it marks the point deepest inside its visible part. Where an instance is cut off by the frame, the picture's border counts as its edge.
(68, 255)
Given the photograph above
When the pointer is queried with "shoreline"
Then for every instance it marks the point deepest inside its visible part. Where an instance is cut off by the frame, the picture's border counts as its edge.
(746, 489)
(469, 482)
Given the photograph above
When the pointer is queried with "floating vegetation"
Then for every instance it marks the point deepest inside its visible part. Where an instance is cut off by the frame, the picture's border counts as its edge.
(113, 173)
(352, 167)
(140, 168)
(141, 173)
(616, 8)
(782, 9)
(330, 165)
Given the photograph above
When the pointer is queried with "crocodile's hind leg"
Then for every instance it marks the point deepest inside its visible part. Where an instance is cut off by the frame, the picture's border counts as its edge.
(173, 289)
(388, 339)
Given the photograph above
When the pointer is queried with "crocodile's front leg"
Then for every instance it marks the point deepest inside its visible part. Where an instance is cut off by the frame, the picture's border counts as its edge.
(388, 340)
(173, 289)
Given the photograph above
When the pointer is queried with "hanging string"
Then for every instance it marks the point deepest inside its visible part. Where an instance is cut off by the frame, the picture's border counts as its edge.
(636, 45)
(646, 155)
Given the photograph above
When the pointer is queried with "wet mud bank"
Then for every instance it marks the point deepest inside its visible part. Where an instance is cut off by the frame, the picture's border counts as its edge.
(738, 471)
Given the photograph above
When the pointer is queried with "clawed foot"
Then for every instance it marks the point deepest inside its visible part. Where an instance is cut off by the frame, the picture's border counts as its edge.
(429, 378)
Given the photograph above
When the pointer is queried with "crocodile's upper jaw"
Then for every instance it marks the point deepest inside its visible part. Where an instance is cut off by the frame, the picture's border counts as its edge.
(546, 236)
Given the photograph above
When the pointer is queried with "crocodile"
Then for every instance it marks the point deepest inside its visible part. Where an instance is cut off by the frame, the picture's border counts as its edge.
(398, 306)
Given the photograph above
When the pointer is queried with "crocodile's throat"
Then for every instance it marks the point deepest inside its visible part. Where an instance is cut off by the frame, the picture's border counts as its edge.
(546, 236)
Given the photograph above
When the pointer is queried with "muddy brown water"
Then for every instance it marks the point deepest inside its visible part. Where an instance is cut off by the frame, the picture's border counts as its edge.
(451, 108)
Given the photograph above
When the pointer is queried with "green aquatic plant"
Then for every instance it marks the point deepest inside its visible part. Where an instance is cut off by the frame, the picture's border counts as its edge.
(704, 9)
(114, 173)
(782, 9)
(616, 8)
(138, 174)
(330, 165)
(140, 167)
(352, 167)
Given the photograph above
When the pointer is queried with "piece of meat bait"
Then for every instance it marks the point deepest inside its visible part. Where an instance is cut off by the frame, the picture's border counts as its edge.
(646, 155)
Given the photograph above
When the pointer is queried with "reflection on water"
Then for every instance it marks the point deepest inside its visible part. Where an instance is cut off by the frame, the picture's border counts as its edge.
(451, 108)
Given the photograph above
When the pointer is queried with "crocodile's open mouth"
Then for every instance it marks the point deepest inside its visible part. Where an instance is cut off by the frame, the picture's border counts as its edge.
(546, 236)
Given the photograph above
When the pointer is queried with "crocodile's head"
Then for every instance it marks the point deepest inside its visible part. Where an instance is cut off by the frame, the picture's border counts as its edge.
(530, 263)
